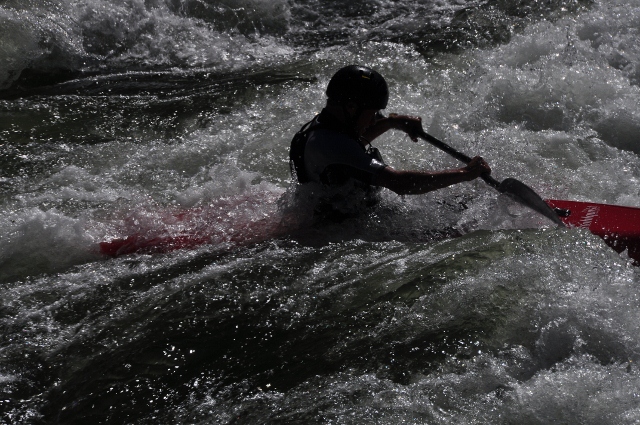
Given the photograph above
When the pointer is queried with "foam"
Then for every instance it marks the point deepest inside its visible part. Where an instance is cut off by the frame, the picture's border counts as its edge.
(35, 241)
(18, 46)
(93, 34)
(554, 339)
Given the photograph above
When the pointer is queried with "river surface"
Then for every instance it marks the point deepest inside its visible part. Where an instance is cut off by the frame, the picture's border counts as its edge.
(160, 118)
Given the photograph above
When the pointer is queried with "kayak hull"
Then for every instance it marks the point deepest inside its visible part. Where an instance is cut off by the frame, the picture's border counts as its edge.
(619, 226)
(228, 222)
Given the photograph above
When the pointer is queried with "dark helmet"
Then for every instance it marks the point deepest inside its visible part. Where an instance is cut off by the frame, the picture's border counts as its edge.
(360, 85)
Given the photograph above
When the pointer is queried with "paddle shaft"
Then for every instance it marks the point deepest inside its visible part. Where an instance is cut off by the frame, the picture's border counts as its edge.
(459, 156)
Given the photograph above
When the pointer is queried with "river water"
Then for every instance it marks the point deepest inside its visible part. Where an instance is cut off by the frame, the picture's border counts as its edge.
(164, 117)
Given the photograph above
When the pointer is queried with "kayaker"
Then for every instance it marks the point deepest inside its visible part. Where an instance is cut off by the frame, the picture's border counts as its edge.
(332, 157)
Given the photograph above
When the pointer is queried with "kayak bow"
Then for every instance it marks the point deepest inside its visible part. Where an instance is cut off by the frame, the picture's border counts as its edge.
(619, 226)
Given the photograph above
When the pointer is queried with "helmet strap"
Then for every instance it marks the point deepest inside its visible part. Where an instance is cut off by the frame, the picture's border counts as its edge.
(352, 120)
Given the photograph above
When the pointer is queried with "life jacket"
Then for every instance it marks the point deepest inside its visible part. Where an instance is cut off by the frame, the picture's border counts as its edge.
(299, 143)
(296, 151)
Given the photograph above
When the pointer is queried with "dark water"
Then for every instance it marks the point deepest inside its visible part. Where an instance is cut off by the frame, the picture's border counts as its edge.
(118, 118)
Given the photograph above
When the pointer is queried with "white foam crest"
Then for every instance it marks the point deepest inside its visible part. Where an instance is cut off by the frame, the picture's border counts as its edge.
(5, 379)
(578, 390)
(73, 184)
(567, 307)
(572, 74)
(134, 33)
(92, 34)
(17, 48)
(481, 391)
(30, 35)
(224, 180)
(36, 241)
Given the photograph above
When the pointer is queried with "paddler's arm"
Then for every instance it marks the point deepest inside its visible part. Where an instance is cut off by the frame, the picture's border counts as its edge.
(417, 182)
(410, 125)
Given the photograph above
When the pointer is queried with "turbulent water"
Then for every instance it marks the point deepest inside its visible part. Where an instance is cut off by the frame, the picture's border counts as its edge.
(162, 118)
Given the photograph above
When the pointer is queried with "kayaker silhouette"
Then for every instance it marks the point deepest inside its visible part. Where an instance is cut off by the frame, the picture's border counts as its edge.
(332, 154)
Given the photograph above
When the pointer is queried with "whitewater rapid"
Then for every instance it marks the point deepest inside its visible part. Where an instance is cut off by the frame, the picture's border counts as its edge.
(115, 118)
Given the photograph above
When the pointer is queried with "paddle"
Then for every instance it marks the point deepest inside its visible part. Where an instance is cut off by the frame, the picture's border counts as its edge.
(515, 189)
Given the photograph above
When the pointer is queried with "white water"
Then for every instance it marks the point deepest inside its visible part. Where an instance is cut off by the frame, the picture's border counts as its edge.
(138, 34)
(548, 317)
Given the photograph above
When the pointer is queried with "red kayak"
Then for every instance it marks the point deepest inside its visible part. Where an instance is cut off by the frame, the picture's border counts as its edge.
(234, 222)
(619, 226)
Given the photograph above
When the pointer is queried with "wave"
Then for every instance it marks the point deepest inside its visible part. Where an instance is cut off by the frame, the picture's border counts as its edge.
(46, 42)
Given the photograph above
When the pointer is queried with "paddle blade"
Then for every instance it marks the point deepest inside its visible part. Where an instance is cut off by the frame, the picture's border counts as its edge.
(526, 196)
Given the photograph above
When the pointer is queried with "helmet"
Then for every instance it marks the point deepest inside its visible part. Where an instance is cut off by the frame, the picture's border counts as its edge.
(360, 85)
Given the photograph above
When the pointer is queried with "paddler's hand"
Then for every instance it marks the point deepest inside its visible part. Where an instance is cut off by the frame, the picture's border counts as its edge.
(410, 125)
(477, 167)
